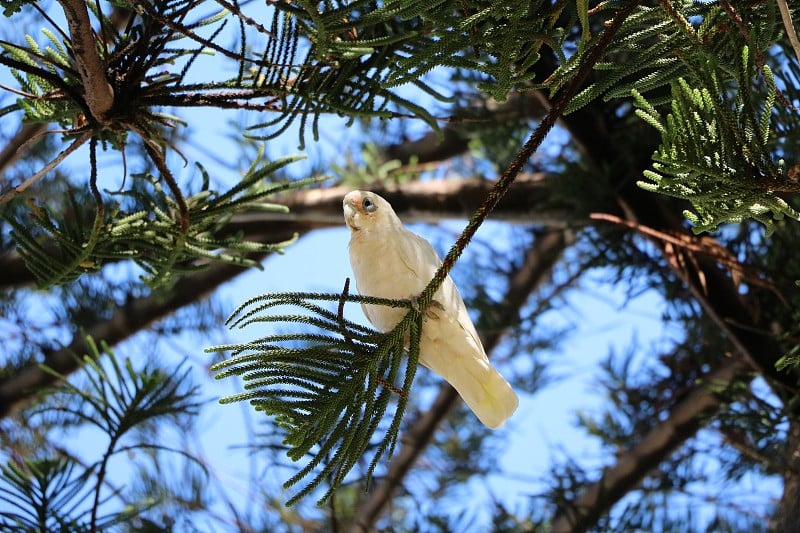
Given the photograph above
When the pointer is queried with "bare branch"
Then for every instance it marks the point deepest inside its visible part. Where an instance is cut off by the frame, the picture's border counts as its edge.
(19, 189)
(454, 138)
(789, 25)
(19, 387)
(139, 313)
(685, 418)
(529, 202)
(19, 145)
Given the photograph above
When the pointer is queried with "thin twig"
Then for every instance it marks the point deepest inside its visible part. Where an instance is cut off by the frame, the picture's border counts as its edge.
(715, 251)
(19, 144)
(340, 313)
(157, 156)
(789, 25)
(537, 137)
(19, 189)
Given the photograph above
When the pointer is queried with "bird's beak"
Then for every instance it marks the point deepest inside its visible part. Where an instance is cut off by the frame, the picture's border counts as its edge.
(350, 215)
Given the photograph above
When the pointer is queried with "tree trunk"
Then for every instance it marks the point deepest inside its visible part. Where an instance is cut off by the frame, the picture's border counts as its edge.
(788, 516)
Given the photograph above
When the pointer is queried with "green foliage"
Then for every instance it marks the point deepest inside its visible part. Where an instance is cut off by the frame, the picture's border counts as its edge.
(709, 63)
(718, 146)
(789, 360)
(372, 167)
(327, 390)
(498, 40)
(59, 492)
(118, 399)
(40, 74)
(59, 243)
(354, 54)
(13, 6)
(716, 154)
(44, 494)
(642, 56)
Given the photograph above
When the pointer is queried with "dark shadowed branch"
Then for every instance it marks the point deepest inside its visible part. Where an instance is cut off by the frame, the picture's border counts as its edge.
(530, 201)
(20, 386)
(684, 419)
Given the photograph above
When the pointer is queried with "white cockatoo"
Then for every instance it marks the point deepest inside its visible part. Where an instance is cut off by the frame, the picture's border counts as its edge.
(391, 262)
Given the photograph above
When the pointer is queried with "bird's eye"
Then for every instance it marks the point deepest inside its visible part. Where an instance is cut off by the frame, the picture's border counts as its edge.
(368, 205)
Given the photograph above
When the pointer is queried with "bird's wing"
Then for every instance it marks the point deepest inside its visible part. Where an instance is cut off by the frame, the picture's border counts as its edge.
(421, 258)
(418, 256)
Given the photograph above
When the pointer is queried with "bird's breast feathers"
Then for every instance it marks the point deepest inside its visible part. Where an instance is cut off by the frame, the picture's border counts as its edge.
(391, 264)
(399, 264)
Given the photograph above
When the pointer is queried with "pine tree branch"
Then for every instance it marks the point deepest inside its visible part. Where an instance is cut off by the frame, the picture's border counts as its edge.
(139, 313)
(98, 94)
(709, 283)
(454, 138)
(530, 201)
(18, 146)
(21, 386)
(716, 292)
(535, 140)
(537, 265)
(684, 419)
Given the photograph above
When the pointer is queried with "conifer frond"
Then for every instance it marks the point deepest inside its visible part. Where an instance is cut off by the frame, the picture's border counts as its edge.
(642, 56)
(12, 6)
(57, 493)
(709, 62)
(498, 40)
(328, 391)
(40, 495)
(63, 242)
(116, 397)
(716, 151)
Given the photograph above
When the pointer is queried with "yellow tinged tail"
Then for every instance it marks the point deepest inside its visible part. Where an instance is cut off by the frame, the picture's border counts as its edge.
(482, 387)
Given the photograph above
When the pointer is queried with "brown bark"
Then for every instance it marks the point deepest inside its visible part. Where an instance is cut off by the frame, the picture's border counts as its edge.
(684, 419)
(453, 139)
(311, 210)
(98, 94)
(529, 202)
(787, 519)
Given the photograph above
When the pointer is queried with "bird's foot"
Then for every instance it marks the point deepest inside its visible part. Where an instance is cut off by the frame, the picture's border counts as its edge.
(429, 312)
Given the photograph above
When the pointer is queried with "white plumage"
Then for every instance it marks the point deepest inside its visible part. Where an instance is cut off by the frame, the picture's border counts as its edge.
(391, 262)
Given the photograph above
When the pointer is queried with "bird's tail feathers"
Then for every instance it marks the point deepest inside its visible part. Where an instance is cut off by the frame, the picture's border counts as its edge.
(483, 389)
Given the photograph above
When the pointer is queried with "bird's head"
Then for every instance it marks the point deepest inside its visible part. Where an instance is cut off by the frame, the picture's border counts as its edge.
(364, 210)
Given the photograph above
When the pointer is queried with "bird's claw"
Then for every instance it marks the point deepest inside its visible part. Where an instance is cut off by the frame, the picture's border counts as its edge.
(429, 312)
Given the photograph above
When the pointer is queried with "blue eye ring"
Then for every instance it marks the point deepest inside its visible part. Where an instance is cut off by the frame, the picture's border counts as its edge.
(368, 205)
